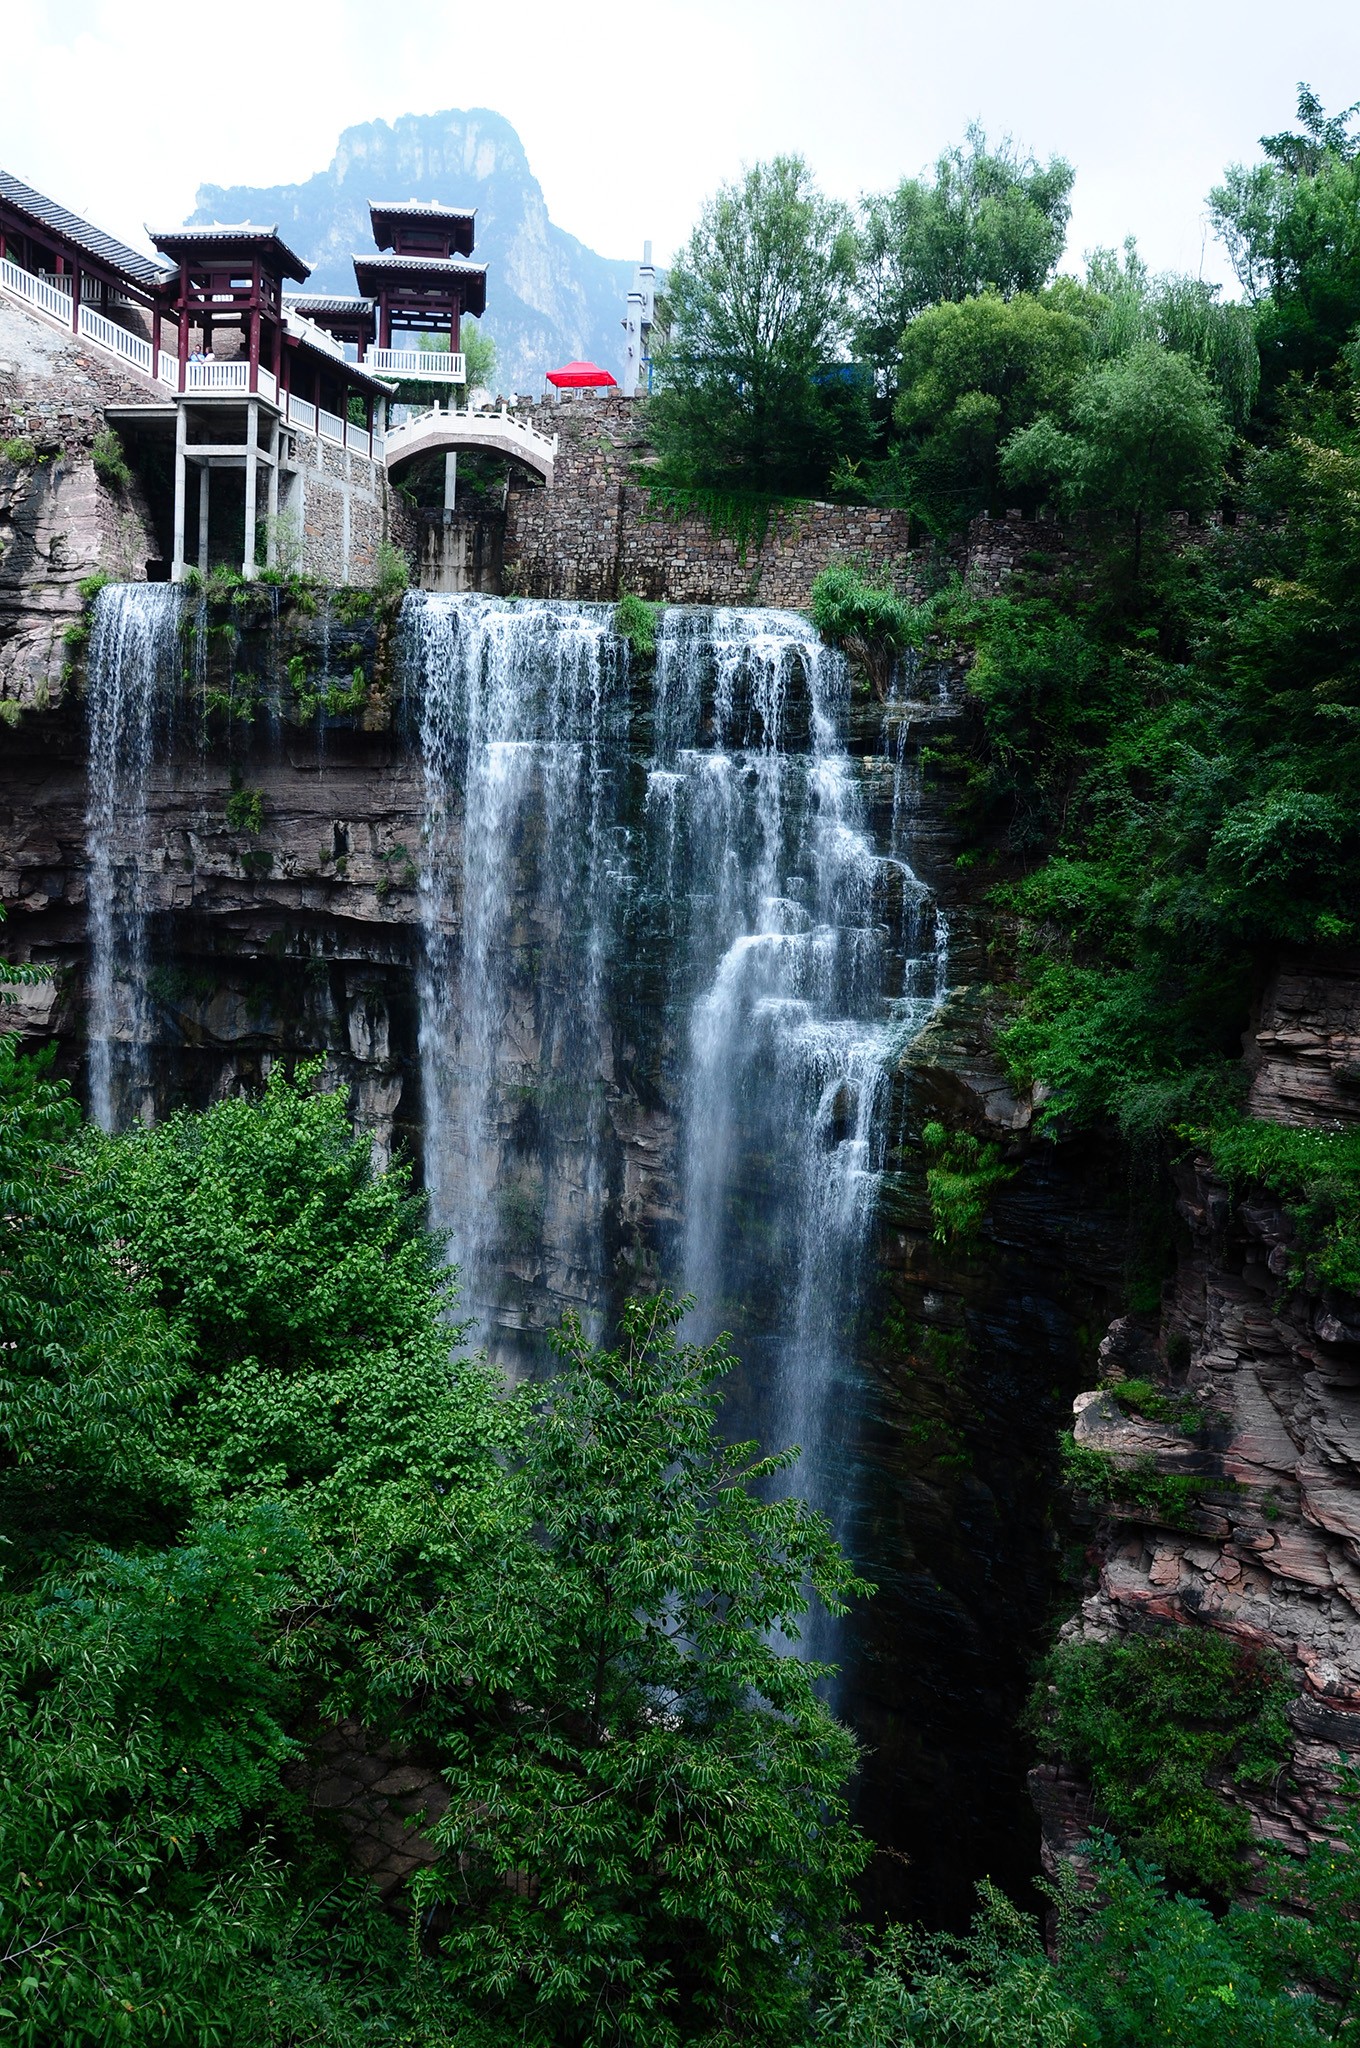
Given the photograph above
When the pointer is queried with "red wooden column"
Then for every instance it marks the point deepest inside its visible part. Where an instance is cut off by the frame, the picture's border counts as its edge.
(254, 325)
(183, 319)
(75, 299)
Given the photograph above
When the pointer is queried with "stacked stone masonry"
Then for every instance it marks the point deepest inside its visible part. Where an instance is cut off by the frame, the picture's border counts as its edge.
(598, 531)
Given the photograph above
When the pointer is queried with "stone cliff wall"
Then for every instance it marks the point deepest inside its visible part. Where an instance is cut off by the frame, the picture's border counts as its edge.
(1269, 1552)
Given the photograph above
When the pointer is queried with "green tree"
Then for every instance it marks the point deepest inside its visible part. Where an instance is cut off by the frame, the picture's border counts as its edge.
(1123, 304)
(973, 373)
(752, 391)
(480, 350)
(988, 221)
(1146, 438)
(1292, 229)
(249, 1485)
(647, 1839)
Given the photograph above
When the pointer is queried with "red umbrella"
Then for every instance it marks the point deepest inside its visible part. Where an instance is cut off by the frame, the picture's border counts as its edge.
(580, 377)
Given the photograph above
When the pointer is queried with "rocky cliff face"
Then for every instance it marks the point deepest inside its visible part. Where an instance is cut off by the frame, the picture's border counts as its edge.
(1268, 1551)
(58, 523)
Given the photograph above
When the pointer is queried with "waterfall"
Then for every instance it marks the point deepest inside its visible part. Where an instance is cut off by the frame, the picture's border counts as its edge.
(714, 850)
(523, 730)
(809, 959)
(134, 656)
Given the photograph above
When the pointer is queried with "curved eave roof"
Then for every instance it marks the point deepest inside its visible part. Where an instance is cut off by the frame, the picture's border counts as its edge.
(332, 302)
(424, 273)
(58, 220)
(243, 238)
(389, 214)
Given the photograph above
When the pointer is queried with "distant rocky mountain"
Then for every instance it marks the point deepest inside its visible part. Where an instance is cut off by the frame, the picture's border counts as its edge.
(548, 297)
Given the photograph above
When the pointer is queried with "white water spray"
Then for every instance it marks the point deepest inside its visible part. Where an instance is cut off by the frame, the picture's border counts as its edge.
(133, 665)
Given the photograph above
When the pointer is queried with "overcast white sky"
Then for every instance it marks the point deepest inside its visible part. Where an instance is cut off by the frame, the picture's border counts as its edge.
(119, 110)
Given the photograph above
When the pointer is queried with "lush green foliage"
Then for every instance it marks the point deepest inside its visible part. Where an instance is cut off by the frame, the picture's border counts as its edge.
(749, 385)
(1155, 1720)
(1292, 229)
(249, 1483)
(1133, 1968)
(1146, 437)
(109, 459)
(648, 1839)
(964, 1174)
(990, 221)
(869, 620)
(635, 620)
(1137, 1490)
(1317, 1173)
(479, 349)
(973, 374)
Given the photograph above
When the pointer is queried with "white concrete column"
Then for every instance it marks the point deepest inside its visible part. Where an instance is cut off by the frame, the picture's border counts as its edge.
(252, 478)
(177, 557)
(205, 471)
(450, 479)
(272, 543)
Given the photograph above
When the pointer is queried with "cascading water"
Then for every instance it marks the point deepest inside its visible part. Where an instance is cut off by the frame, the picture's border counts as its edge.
(133, 665)
(523, 734)
(789, 957)
(804, 969)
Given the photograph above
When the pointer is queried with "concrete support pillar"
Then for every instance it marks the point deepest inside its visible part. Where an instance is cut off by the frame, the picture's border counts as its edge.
(252, 481)
(177, 558)
(272, 542)
(205, 471)
(450, 479)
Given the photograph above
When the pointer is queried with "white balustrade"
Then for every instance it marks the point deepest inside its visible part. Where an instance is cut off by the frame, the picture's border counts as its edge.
(417, 362)
(331, 426)
(301, 414)
(109, 335)
(229, 376)
(167, 369)
(44, 292)
(304, 329)
(357, 438)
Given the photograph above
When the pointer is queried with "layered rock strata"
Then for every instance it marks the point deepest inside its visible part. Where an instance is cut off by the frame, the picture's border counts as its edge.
(1266, 1548)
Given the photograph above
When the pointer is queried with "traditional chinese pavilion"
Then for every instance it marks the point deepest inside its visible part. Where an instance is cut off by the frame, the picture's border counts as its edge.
(419, 285)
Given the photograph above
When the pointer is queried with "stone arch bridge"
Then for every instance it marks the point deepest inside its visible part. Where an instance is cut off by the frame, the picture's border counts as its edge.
(447, 433)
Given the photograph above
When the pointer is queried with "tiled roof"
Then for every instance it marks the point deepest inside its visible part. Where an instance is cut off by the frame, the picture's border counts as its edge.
(105, 249)
(434, 208)
(326, 302)
(243, 231)
(432, 263)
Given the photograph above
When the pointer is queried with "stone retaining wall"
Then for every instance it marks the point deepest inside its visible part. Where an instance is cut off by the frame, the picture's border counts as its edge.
(597, 531)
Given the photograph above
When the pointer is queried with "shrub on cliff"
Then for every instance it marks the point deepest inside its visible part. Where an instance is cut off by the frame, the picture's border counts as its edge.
(1165, 1724)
